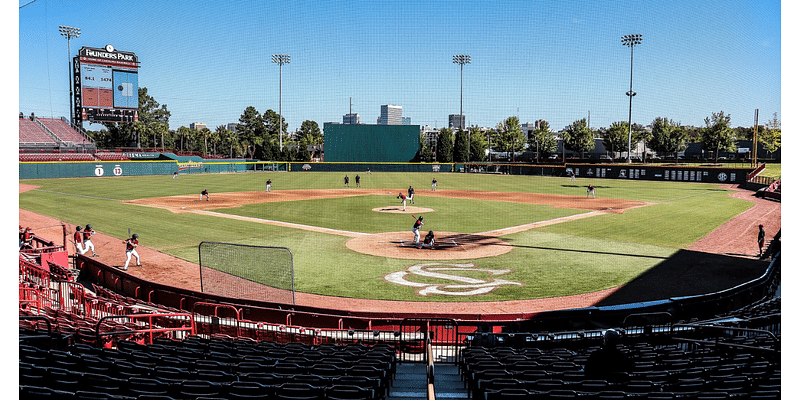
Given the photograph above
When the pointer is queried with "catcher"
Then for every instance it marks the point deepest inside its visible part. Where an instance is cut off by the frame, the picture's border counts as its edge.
(427, 242)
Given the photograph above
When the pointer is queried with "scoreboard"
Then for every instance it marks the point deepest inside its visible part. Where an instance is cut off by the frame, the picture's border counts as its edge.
(106, 83)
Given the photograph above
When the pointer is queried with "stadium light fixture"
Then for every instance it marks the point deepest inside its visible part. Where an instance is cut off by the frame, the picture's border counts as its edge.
(280, 59)
(631, 41)
(70, 33)
(461, 59)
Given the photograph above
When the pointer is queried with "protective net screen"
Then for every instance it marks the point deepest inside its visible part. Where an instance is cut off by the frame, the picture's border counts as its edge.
(247, 272)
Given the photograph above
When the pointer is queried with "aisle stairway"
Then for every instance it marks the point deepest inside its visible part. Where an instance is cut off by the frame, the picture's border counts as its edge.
(410, 383)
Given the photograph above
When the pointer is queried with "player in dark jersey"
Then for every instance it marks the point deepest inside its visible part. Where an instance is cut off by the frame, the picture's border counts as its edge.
(130, 250)
(88, 232)
(417, 224)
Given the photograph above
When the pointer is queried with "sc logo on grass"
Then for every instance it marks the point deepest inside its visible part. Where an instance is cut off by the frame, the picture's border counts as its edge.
(438, 272)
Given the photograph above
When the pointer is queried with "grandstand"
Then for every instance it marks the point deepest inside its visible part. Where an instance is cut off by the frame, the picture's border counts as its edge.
(89, 340)
(52, 135)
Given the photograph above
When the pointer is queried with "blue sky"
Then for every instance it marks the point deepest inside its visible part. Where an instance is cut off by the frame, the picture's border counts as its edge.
(554, 60)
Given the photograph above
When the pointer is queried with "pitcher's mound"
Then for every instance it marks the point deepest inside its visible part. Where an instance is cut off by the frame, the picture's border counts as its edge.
(399, 209)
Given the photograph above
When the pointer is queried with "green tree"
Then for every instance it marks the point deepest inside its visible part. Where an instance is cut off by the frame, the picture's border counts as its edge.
(205, 133)
(251, 130)
(461, 146)
(444, 145)
(771, 136)
(615, 137)
(309, 134)
(477, 144)
(425, 151)
(510, 138)
(542, 140)
(717, 135)
(227, 138)
(668, 137)
(578, 137)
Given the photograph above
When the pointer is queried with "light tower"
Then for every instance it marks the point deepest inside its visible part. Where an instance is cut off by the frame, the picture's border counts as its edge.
(70, 32)
(280, 59)
(461, 59)
(631, 41)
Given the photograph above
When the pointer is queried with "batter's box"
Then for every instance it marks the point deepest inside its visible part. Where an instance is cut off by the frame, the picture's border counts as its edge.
(439, 244)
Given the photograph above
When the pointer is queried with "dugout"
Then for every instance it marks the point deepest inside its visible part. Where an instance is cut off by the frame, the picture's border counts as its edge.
(371, 143)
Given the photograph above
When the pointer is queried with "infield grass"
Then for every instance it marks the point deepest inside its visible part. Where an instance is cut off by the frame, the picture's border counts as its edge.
(572, 257)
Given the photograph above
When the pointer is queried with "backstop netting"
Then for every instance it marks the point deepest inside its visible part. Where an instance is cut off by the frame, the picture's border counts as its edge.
(239, 271)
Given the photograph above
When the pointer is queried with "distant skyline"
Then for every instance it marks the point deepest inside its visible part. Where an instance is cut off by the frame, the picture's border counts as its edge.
(556, 61)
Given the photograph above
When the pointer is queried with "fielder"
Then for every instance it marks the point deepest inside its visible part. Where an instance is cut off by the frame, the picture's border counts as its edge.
(590, 191)
(434, 183)
(402, 198)
(204, 193)
(411, 194)
(269, 185)
(88, 232)
(417, 224)
(130, 250)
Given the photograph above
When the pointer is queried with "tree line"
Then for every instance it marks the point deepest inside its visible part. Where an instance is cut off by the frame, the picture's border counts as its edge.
(258, 136)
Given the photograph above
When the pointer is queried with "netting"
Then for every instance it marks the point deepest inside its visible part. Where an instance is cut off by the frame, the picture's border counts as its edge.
(247, 272)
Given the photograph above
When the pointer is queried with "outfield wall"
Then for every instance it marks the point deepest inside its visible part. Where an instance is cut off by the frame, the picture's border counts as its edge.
(85, 169)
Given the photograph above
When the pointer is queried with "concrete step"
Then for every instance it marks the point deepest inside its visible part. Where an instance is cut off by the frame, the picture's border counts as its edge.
(410, 382)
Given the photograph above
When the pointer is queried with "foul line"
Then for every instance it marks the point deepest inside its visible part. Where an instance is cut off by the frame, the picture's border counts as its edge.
(284, 224)
(538, 224)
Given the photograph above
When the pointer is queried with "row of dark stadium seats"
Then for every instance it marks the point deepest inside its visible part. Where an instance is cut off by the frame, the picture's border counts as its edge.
(221, 364)
(666, 368)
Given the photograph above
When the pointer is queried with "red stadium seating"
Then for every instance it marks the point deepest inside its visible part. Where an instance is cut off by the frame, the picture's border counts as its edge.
(63, 131)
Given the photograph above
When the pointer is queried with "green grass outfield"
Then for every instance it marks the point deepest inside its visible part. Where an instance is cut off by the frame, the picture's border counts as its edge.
(579, 256)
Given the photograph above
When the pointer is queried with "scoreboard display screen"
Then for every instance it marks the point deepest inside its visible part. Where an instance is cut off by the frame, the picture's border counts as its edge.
(106, 85)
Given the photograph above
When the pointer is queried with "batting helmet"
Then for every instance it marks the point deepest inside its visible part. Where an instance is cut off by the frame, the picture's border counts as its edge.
(420, 217)
(88, 226)
(78, 228)
(135, 236)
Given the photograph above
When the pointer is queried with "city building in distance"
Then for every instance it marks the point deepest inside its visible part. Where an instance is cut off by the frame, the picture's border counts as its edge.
(391, 115)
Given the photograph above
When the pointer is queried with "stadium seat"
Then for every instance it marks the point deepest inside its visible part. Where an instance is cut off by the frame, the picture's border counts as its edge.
(295, 391)
(348, 392)
(141, 386)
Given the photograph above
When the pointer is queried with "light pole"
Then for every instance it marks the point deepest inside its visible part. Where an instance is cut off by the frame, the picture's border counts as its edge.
(461, 59)
(69, 33)
(280, 59)
(631, 41)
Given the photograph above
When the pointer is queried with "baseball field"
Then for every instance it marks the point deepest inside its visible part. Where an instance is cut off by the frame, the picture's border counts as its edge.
(500, 237)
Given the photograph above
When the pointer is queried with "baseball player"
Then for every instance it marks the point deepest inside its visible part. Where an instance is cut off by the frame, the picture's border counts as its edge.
(78, 239)
(88, 232)
(269, 185)
(358, 181)
(175, 175)
(347, 181)
(204, 193)
(402, 198)
(417, 224)
(411, 194)
(27, 239)
(590, 191)
(433, 184)
(571, 175)
(130, 250)
(428, 241)
(761, 237)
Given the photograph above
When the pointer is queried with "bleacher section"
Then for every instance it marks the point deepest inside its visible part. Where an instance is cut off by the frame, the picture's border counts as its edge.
(31, 133)
(64, 131)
